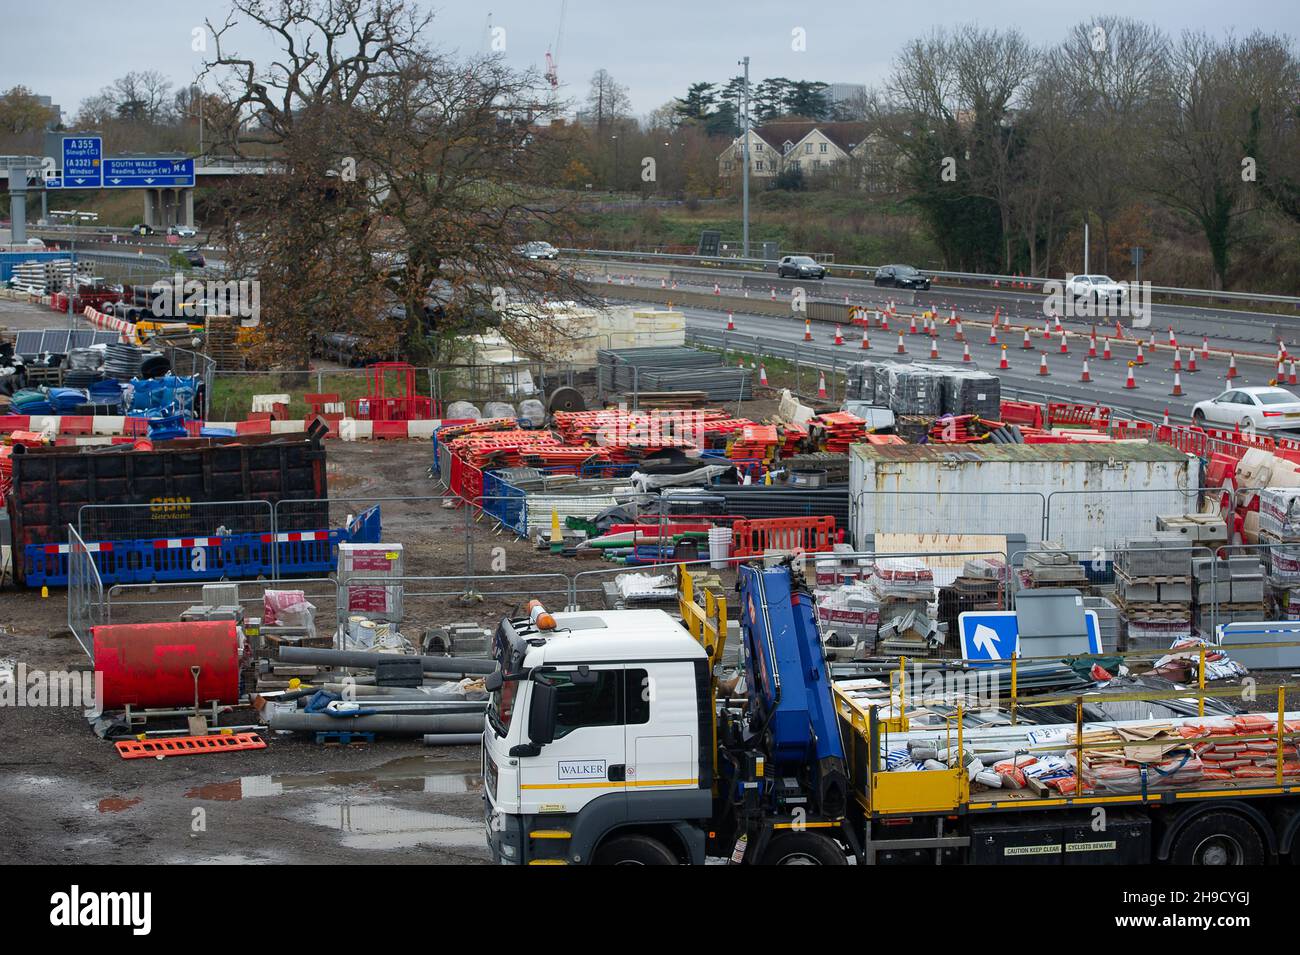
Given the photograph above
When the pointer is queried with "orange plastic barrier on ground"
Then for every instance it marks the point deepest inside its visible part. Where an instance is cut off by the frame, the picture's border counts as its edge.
(752, 538)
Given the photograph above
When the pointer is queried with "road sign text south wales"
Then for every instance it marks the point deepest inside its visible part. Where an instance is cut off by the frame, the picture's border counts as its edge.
(144, 172)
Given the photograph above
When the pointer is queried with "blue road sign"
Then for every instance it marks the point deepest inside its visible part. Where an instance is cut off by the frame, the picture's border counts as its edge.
(994, 635)
(53, 182)
(146, 172)
(83, 165)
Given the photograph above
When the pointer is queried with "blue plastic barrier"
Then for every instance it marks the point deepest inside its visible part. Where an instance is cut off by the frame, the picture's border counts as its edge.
(178, 559)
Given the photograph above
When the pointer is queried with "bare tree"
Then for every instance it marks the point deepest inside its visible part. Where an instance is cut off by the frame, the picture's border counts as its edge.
(1113, 71)
(607, 100)
(1222, 98)
(395, 168)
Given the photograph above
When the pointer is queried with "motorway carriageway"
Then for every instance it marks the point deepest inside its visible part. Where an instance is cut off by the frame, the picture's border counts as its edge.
(1229, 329)
(782, 337)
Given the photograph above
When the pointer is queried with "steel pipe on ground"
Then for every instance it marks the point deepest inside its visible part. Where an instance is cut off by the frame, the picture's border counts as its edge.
(394, 723)
(459, 666)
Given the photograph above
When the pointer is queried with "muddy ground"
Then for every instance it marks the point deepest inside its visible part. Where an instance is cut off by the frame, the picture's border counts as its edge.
(65, 795)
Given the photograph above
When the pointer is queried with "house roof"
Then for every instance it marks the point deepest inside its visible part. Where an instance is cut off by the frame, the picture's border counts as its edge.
(845, 134)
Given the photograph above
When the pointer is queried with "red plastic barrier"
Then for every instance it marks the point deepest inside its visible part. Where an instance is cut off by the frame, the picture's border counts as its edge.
(807, 534)
(1022, 413)
(1066, 414)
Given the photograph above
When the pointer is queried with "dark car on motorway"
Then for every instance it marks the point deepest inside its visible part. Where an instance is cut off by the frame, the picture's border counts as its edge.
(901, 276)
(800, 267)
(194, 257)
(143, 229)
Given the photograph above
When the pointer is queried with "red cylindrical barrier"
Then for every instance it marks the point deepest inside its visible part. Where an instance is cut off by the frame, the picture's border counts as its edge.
(148, 664)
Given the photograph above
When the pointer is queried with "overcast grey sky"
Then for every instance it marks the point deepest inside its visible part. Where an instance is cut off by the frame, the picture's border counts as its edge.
(70, 49)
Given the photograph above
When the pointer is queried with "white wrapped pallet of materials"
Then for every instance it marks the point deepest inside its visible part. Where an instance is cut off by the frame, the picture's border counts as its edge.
(1093, 495)
(375, 600)
(1279, 512)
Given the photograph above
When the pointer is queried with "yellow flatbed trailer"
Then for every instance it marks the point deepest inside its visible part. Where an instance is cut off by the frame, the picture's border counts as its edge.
(933, 816)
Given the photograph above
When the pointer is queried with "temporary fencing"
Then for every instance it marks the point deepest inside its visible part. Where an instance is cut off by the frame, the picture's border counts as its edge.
(85, 592)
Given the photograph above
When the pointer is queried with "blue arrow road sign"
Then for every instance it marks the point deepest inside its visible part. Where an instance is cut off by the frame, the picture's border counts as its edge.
(83, 166)
(147, 171)
(994, 635)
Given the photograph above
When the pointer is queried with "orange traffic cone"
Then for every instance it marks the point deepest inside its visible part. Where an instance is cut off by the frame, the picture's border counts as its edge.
(1047, 329)
(993, 334)
(1105, 352)
(1141, 360)
(731, 322)
(1178, 358)
(934, 349)
(774, 295)
(965, 352)
(911, 327)
(1205, 348)
(1027, 344)
(1130, 382)
(1003, 363)
(884, 321)
(1092, 343)
(807, 330)
(821, 385)
(1178, 386)
(1164, 422)
(716, 289)
(1119, 330)
(1056, 324)
(1042, 366)
(1191, 361)
(839, 337)
(1085, 376)
(1290, 375)
(866, 345)
(961, 335)
(1173, 342)
(902, 349)
(762, 375)
(1065, 348)
(1232, 366)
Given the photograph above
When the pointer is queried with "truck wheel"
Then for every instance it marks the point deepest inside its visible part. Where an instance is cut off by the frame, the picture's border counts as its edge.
(1218, 838)
(803, 848)
(634, 850)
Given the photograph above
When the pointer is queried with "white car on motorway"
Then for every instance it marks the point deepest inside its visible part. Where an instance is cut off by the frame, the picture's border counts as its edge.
(1253, 409)
(1095, 289)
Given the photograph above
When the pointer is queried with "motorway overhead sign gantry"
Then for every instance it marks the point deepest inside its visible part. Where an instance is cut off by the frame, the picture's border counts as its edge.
(83, 163)
(146, 172)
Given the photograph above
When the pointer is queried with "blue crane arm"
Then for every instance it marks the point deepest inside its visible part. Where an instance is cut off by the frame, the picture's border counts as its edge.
(792, 706)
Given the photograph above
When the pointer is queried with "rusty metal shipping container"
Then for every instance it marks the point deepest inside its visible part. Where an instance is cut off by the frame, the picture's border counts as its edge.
(1078, 495)
(171, 486)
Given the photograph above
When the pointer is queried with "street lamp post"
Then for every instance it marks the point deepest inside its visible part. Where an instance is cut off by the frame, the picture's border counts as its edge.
(75, 218)
(744, 150)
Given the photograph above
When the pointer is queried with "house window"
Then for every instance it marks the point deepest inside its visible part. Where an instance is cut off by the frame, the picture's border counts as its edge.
(787, 146)
(758, 147)
(795, 163)
(823, 147)
(807, 149)
(726, 166)
(758, 165)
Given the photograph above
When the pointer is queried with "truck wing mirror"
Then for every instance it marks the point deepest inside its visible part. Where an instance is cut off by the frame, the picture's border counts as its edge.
(541, 713)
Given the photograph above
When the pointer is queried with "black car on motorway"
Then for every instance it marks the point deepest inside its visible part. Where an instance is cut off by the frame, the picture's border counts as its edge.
(800, 267)
(901, 276)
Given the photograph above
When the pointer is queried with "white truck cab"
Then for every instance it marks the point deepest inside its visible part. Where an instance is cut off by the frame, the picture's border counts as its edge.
(598, 744)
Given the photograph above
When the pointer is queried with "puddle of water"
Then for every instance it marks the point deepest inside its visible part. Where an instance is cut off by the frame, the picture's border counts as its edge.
(113, 804)
(408, 774)
(370, 825)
